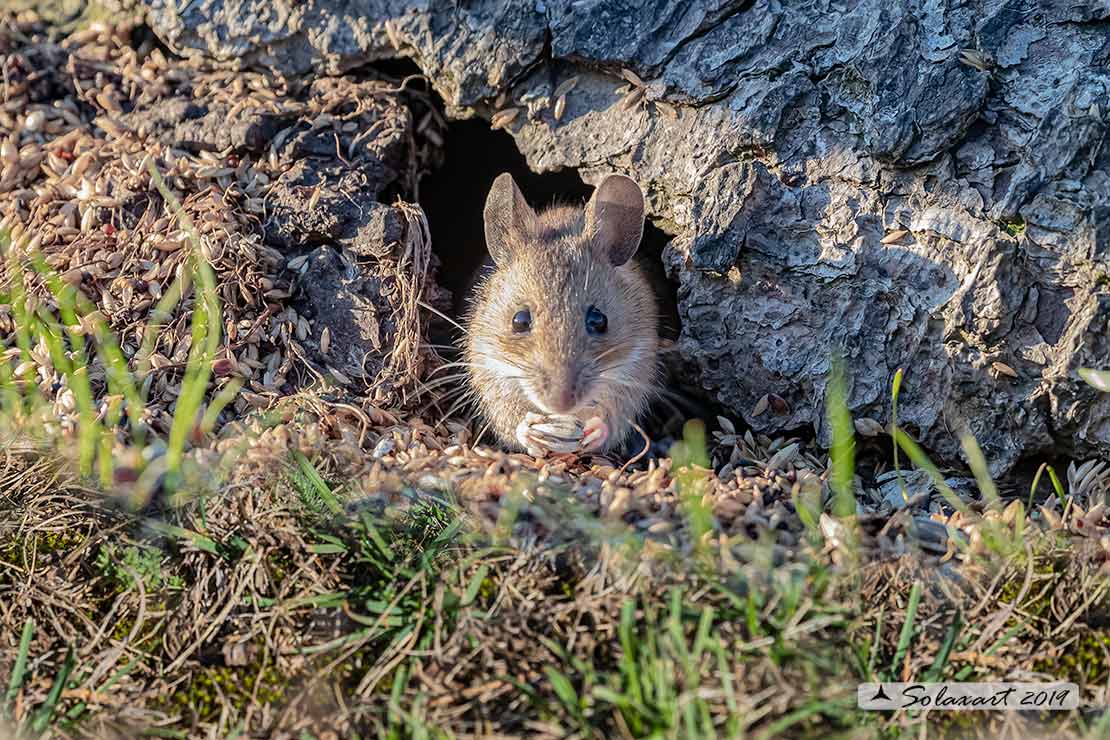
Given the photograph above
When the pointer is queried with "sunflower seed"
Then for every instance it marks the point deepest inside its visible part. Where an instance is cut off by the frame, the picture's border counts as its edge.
(632, 98)
(668, 110)
(632, 77)
(565, 86)
(34, 121)
(761, 405)
(503, 118)
(868, 427)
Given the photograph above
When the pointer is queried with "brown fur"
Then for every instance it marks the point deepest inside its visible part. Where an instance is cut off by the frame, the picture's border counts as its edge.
(557, 271)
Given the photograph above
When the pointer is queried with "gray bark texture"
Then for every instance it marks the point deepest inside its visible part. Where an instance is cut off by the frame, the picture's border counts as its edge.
(921, 185)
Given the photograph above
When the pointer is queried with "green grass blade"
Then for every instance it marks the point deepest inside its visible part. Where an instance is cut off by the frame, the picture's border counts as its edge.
(11, 400)
(76, 374)
(205, 327)
(46, 712)
(779, 726)
(119, 376)
(628, 665)
(906, 635)
(376, 537)
(843, 451)
(920, 459)
(1097, 379)
(400, 680)
(936, 670)
(180, 533)
(995, 647)
(120, 673)
(475, 585)
(94, 440)
(895, 390)
(1033, 486)
(691, 461)
(978, 464)
(563, 688)
(702, 638)
(226, 395)
(1057, 485)
(319, 485)
(161, 313)
(23, 321)
(19, 670)
(875, 641)
(193, 386)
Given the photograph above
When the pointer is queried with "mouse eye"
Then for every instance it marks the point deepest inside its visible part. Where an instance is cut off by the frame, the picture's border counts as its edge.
(596, 323)
(522, 321)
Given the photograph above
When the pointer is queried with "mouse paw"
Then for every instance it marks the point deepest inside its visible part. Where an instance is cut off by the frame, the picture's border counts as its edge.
(596, 434)
(524, 435)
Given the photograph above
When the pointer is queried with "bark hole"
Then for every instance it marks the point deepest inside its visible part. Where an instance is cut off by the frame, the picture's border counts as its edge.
(453, 197)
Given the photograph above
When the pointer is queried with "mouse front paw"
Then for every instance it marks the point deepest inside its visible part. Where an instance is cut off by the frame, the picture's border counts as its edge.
(596, 434)
(526, 437)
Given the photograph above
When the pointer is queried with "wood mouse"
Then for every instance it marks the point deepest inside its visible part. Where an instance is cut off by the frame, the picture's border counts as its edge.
(562, 329)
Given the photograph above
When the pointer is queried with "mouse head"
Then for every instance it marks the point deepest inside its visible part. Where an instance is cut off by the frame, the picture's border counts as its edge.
(564, 316)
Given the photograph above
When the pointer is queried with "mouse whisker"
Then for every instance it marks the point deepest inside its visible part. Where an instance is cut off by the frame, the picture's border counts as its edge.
(481, 433)
(448, 365)
(433, 382)
(443, 316)
(627, 382)
(662, 393)
(460, 392)
(442, 398)
(619, 368)
(608, 352)
(455, 407)
(458, 373)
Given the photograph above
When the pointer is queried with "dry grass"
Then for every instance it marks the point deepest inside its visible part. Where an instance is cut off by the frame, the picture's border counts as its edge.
(329, 561)
(391, 602)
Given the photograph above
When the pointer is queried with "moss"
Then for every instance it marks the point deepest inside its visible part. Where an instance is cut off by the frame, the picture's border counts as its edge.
(280, 564)
(203, 695)
(1084, 661)
(148, 640)
(42, 544)
(1014, 226)
(11, 553)
(59, 541)
(1039, 600)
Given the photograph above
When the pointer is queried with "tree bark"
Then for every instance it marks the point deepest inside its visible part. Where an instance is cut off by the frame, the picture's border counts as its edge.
(918, 185)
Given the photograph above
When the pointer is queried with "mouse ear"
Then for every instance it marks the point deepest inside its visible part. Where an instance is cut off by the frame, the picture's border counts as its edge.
(615, 216)
(508, 218)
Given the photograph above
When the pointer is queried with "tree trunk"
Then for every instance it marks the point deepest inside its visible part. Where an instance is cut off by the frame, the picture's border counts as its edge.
(920, 186)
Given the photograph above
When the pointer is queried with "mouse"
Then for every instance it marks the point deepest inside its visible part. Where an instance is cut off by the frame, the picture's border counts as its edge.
(561, 349)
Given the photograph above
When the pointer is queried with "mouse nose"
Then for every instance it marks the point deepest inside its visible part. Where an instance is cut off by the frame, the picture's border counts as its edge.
(562, 391)
(563, 398)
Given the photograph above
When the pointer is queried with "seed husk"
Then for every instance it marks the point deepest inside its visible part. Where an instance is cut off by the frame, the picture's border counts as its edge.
(503, 118)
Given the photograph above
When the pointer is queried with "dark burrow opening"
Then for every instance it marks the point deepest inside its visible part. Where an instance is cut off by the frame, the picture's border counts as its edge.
(453, 197)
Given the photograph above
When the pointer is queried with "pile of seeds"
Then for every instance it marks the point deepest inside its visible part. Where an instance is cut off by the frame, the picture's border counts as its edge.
(766, 503)
(86, 120)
